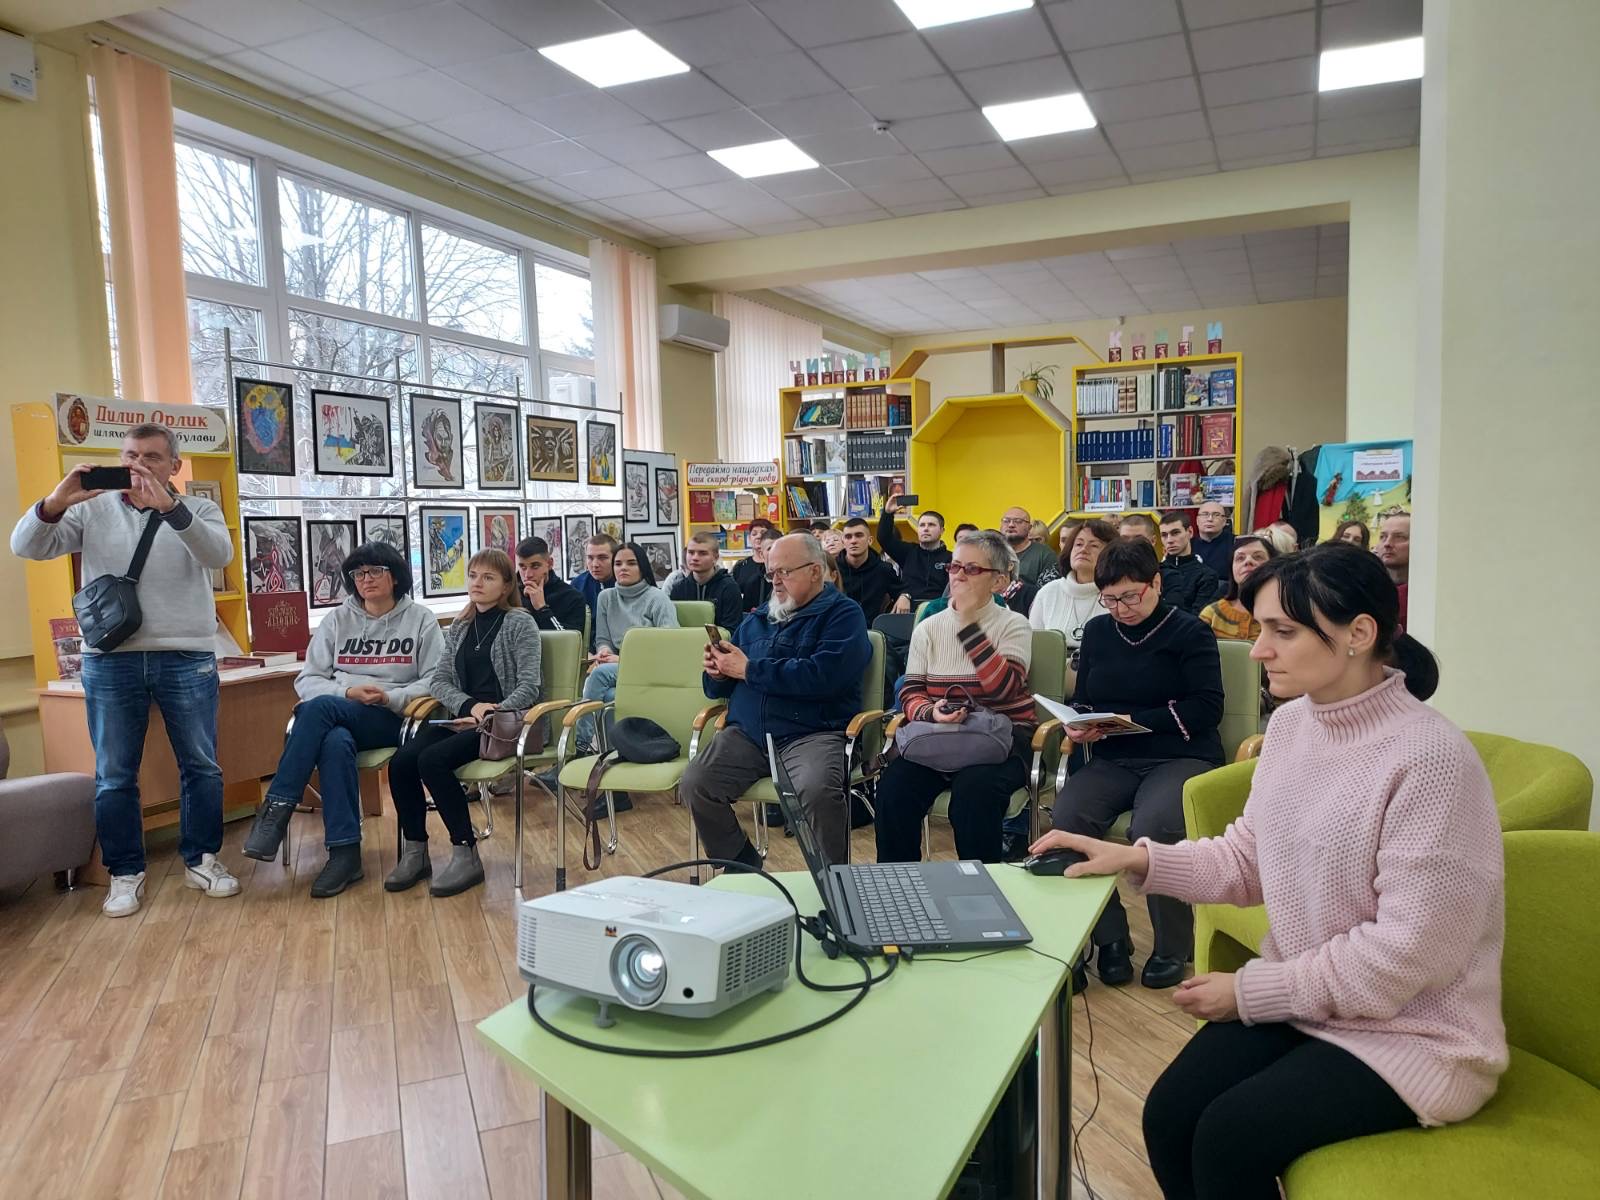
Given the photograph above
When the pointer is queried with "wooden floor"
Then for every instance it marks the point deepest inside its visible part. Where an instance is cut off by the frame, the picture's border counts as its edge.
(271, 1045)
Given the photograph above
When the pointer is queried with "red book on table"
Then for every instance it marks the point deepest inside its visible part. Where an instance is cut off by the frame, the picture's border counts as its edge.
(279, 622)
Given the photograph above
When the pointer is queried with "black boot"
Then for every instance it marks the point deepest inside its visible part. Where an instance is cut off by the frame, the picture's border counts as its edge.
(1161, 972)
(271, 826)
(341, 870)
(1114, 962)
(748, 858)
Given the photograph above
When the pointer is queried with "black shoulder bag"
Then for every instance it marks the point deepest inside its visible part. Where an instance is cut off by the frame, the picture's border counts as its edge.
(107, 608)
(633, 739)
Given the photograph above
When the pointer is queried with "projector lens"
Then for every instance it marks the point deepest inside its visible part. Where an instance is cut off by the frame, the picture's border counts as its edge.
(639, 971)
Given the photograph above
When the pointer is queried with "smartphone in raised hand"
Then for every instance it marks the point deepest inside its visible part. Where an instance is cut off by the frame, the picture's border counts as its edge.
(714, 636)
(106, 478)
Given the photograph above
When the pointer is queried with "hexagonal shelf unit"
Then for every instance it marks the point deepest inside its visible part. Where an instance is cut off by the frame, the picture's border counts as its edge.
(977, 456)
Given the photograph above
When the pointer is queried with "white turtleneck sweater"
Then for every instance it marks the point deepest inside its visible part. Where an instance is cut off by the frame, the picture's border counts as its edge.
(1067, 605)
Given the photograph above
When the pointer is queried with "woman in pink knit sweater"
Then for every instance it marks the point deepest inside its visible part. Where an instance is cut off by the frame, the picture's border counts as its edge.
(1372, 838)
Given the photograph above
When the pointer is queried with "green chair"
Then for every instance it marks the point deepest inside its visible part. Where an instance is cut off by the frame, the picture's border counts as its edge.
(695, 614)
(863, 744)
(561, 656)
(1536, 1136)
(658, 677)
(1534, 787)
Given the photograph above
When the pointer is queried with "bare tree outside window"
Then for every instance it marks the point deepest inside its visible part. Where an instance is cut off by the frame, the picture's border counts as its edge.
(217, 213)
(458, 366)
(345, 251)
(472, 286)
(566, 311)
(207, 320)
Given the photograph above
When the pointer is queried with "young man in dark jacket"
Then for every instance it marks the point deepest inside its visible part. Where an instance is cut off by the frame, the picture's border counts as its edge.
(1186, 582)
(1214, 546)
(793, 669)
(751, 573)
(554, 603)
(868, 579)
(707, 581)
(921, 563)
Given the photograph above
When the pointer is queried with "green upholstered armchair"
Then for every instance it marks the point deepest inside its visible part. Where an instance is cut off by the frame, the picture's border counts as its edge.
(1535, 787)
(1537, 1136)
(695, 614)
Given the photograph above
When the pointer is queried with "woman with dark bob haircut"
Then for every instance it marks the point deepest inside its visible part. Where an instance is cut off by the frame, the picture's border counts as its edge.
(368, 659)
(1371, 836)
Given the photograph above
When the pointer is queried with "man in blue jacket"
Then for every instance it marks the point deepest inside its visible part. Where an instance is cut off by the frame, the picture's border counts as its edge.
(792, 670)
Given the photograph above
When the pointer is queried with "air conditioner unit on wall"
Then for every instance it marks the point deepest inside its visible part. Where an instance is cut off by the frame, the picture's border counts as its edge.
(685, 326)
(18, 73)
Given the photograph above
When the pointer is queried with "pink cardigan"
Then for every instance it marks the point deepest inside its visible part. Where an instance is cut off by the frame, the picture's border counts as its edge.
(1371, 835)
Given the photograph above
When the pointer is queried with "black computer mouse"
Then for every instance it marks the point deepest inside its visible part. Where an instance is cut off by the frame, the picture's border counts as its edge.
(1052, 862)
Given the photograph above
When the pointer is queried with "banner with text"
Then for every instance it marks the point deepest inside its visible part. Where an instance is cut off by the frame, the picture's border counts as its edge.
(89, 422)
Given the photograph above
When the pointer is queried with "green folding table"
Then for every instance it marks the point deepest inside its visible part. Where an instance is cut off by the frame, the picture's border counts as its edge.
(887, 1102)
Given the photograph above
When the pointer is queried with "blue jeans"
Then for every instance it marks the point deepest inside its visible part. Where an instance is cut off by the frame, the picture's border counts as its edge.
(601, 685)
(328, 733)
(118, 689)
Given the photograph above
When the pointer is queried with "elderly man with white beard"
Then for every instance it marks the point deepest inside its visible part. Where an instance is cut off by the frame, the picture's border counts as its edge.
(793, 669)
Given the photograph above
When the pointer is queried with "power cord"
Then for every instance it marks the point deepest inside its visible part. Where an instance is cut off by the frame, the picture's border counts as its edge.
(817, 928)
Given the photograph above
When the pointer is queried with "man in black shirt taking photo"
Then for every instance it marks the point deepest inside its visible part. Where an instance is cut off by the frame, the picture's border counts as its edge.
(921, 563)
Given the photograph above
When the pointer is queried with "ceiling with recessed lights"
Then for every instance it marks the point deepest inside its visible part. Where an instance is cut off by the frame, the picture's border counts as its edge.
(1178, 87)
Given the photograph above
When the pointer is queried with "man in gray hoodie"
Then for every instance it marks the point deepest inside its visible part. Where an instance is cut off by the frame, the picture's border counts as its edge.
(369, 658)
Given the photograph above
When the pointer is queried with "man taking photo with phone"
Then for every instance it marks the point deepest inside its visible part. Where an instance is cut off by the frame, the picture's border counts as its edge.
(169, 659)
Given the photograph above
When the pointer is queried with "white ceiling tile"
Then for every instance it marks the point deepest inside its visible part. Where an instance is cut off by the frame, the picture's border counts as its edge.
(910, 192)
(425, 96)
(1286, 140)
(1332, 286)
(1364, 101)
(1012, 197)
(262, 68)
(643, 11)
(635, 144)
(650, 205)
(251, 23)
(497, 128)
(496, 167)
(968, 158)
(607, 181)
(791, 184)
(773, 78)
(1061, 145)
(823, 22)
(735, 127)
(1007, 38)
(1142, 100)
(1255, 41)
(719, 195)
(578, 113)
(557, 158)
(815, 114)
(549, 22)
(426, 137)
(1263, 114)
(799, 225)
(940, 274)
(1026, 80)
(767, 211)
(1346, 131)
(849, 145)
(363, 10)
(687, 171)
(878, 60)
(1161, 176)
(1214, 244)
(1158, 131)
(518, 78)
(913, 98)
(1202, 13)
(675, 96)
(1261, 82)
(834, 204)
(358, 110)
(1133, 62)
(1078, 169)
(968, 128)
(1122, 254)
(901, 168)
(1395, 143)
(549, 189)
(1164, 158)
(440, 35)
(982, 183)
(344, 54)
(833, 220)
(1081, 24)
(733, 234)
(174, 31)
(718, 37)
(1220, 262)
(1164, 270)
(691, 224)
(1367, 21)
(1281, 239)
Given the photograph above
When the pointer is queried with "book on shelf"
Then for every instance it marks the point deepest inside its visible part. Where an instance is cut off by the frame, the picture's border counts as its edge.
(1195, 392)
(826, 412)
(280, 622)
(1216, 434)
(1110, 394)
(68, 642)
(771, 506)
(723, 507)
(874, 408)
(1114, 493)
(1219, 488)
(700, 508)
(1220, 384)
(868, 452)
(1184, 489)
(734, 539)
(744, 506)
(1116, 445)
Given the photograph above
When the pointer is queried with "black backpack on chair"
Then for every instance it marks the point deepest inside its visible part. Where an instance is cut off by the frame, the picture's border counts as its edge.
(635, 740)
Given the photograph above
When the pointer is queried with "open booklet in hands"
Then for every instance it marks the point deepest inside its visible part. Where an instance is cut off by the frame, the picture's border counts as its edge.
(1109, 724)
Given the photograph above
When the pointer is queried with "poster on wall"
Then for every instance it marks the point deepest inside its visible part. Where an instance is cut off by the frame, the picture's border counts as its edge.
(552, 450)
(264, 414)
(636, 491)
(350, 434)
(611, 526)
(328, 544)
(436, 442)
(499, 529)
(1362, 481)
(497, 446)
(577, 528)
(444, 551)
(652, 492)
(272, 554)
(602, 437)
(389, 529)
(662, 550)
(667, 497)
(549, 528)
(732, 475)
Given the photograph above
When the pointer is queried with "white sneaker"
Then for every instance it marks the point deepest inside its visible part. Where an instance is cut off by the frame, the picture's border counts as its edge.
(126, 893)
(211, 877)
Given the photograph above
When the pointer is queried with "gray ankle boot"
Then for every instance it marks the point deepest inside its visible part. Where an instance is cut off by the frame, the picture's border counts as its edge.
(465, 871)
(413, 867)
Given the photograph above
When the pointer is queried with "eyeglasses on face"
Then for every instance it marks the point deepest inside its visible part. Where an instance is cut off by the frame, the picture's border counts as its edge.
(370, 572)
(777, 573)
(1126, 600)
(970, 570)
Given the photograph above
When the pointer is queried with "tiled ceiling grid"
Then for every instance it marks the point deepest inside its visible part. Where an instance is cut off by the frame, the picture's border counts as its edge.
(1164, 277)
(1181, 87)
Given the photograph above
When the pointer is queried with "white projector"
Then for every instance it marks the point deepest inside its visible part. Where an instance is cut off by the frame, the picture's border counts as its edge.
(656, 946)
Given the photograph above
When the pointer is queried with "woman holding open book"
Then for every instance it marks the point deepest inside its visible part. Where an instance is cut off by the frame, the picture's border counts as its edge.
(1157, 666)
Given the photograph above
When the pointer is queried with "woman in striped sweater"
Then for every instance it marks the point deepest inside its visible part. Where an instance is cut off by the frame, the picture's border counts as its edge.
(981, 651)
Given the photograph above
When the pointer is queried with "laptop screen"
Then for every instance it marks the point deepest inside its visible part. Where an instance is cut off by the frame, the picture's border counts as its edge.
(794, 816)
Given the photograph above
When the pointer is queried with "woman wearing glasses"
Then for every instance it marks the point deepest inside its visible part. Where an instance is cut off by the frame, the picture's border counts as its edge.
(369, 658)
(972, 655)
(1158, 666)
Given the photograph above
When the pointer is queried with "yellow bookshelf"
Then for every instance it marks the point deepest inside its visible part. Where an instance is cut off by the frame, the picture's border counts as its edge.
(976, 456)
(42, 461)
(1155, 467)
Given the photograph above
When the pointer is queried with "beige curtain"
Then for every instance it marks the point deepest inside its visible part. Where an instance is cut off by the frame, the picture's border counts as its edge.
(134, 98)
(762, 342)
(627, 351)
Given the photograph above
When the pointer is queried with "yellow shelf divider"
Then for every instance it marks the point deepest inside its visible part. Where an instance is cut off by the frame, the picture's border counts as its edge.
(969, 443)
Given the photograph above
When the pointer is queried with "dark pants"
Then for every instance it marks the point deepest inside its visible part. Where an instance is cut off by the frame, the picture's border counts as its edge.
(118, 689)
(978, 799)
(725, 769)
(328, 733)
(1101, 791)
(1242, 1102)
(431, 758)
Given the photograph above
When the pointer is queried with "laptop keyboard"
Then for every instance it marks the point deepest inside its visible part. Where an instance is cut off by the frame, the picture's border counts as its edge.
(897, 905)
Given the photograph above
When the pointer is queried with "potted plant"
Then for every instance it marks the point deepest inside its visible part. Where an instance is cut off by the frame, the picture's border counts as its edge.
(1036, 382)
